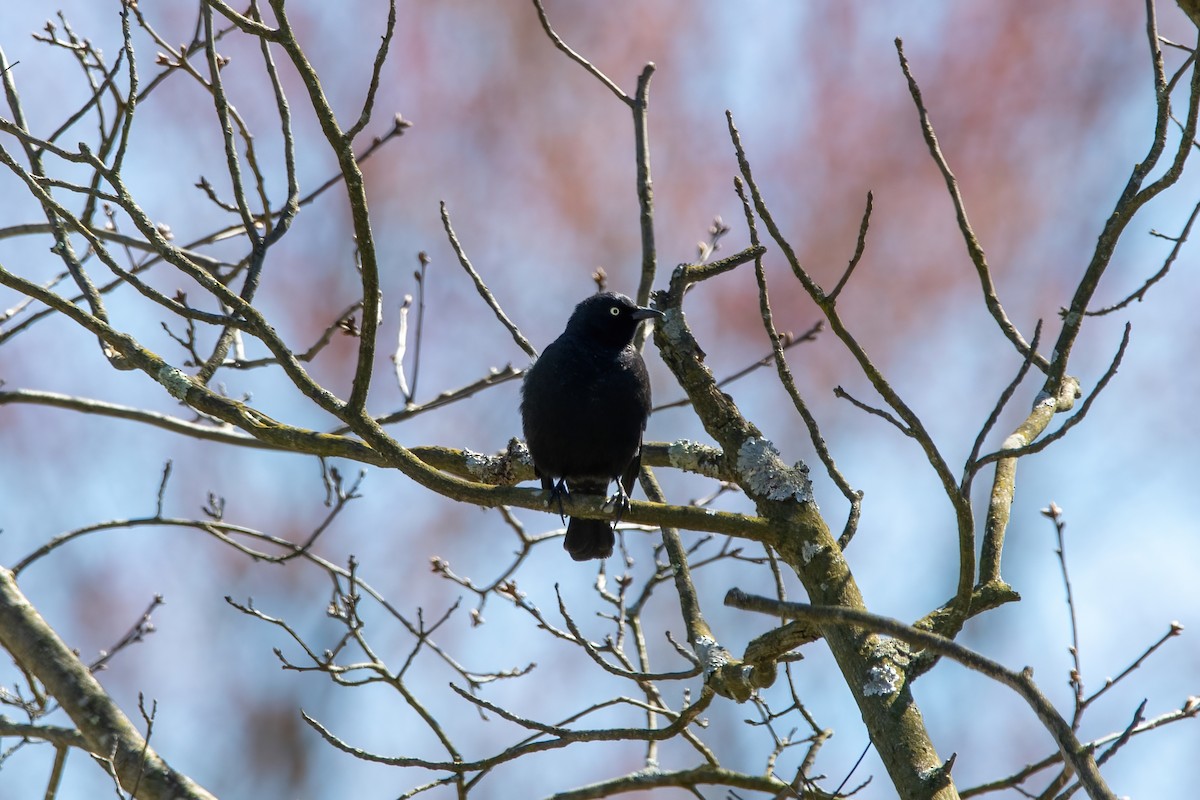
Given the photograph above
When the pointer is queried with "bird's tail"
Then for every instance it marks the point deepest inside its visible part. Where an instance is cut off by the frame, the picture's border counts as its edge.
(589, 538)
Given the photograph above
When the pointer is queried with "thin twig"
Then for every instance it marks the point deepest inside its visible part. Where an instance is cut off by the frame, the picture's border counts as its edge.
(1072, 421)
(853, 496)
(787, 340)
(1133, 197)
(402, 349)
(912, 425)
(495, 377)
(578, 59)
(1001, 402)
(1075, 679)
(140, 629)
(974, 249)
(1173, 630)
(1140, 294)
(364, 116)
(859, 246)
(419, 276)
(482, 288)
(1189, 710)
(1126, 734)
(884, 414)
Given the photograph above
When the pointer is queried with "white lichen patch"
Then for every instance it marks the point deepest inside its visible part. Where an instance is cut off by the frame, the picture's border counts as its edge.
(1013, 441)
(695, 457)
(175, 381)
(685, 454)
(809, 551)
(766, 475)
(478, 464)
(882, 679)
(651, 770)
(672, 324)
(711, 654)
(895, 651)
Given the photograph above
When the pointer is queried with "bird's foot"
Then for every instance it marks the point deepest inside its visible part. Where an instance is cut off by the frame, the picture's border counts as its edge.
(557, 492)
(619, 502)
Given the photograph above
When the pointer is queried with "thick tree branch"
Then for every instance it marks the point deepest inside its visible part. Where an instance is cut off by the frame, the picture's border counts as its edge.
(803, 540)
(1076, 754)
(109, 734)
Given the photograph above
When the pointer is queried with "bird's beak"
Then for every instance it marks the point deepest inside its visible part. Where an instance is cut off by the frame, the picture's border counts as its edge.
(641, 312)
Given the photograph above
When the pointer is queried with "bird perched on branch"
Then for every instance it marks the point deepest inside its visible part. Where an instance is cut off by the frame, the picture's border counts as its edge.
(584, 406)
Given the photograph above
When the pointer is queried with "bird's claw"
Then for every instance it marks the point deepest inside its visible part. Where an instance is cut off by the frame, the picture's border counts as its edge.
(619, 502)
(556, 496)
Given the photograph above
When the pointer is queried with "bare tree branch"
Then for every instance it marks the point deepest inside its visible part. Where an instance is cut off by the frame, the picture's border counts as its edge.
(108, 732)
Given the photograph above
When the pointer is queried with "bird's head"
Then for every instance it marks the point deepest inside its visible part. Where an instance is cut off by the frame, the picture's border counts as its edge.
(609, 318)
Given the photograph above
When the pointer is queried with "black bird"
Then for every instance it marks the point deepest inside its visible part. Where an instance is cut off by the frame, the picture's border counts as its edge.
(584, 406)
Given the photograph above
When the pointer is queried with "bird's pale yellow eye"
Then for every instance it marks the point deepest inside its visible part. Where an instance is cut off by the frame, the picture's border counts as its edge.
(615, 311)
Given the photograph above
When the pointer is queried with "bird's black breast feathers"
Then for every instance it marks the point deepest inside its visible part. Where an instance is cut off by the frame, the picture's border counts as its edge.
(585, 409)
